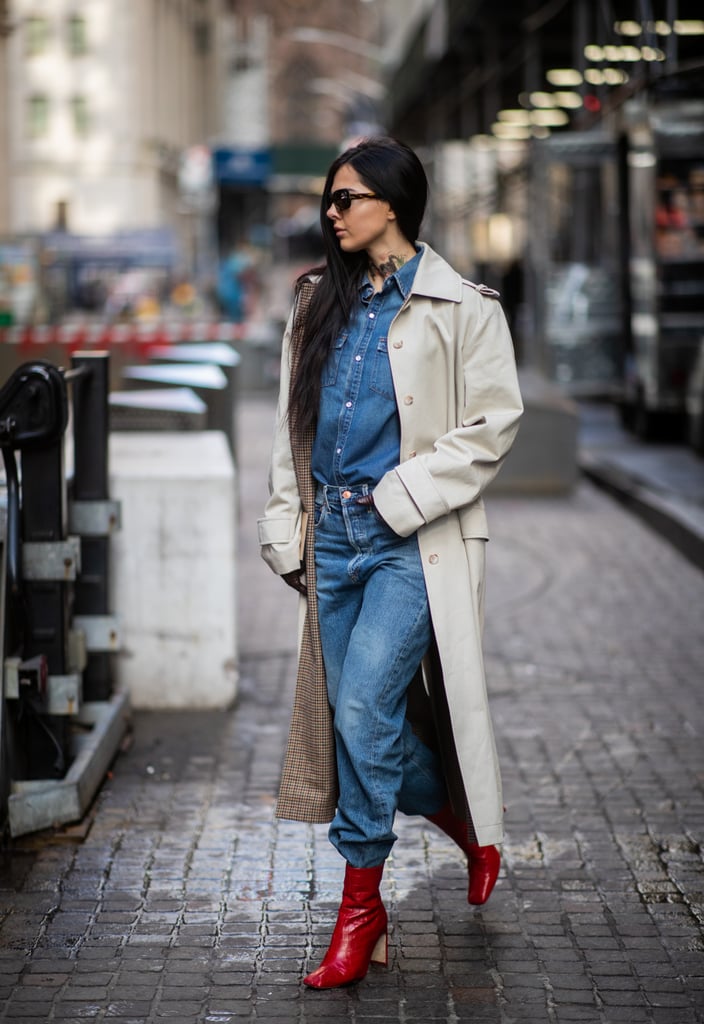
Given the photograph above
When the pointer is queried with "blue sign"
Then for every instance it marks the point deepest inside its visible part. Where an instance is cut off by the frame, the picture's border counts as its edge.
(242, 166)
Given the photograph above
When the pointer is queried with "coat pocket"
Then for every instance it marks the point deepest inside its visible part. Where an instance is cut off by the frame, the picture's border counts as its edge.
(475, 553)
(473, 521)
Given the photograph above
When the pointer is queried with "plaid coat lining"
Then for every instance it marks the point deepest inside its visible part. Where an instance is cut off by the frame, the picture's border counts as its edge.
(308, 790)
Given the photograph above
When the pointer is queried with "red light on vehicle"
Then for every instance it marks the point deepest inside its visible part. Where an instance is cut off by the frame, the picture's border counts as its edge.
(592, 103)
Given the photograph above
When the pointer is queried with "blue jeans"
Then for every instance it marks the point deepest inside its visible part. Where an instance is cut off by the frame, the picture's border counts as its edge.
(375, 629)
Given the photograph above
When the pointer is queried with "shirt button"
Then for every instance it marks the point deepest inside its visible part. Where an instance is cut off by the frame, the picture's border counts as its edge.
(372, 315)
(434, 559)
(358, 359)
(408, 400)
(398, 344)
(348, 405)
(339, 451)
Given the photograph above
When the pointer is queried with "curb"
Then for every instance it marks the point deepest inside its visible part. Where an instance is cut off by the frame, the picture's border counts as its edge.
(679, 522)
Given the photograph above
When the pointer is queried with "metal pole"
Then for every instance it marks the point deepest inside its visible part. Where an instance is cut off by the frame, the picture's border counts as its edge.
(90, 426)
(90, 484)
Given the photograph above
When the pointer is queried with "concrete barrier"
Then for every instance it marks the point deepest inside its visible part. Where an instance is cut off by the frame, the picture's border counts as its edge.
(206, 379)
(213, 353)
(174, 574)
(157, 409)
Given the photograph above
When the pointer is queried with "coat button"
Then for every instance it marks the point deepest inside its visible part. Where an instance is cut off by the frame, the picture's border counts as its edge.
(434, 559)
(398, 344)
(408, 400)
(412, 455)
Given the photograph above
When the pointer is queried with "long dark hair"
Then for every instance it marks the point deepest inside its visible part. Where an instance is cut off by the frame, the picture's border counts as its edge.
(392, 171)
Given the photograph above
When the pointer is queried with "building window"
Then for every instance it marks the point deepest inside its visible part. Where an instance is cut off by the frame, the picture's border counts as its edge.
(38, 116)
(81, 115)
(77, 35)
(36, 36)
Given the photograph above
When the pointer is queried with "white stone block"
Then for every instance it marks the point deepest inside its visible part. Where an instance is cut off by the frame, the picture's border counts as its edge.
(173, 573)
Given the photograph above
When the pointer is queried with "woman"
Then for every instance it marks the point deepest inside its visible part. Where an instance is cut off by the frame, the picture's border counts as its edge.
(399, 400)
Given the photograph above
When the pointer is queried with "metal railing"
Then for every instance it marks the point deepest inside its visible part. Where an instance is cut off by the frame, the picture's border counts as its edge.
(60, 723)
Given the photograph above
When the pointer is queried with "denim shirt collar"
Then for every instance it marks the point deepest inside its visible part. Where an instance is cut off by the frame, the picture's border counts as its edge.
(401, 278)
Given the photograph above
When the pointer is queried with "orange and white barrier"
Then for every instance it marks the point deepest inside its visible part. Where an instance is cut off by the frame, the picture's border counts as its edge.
(79, 336)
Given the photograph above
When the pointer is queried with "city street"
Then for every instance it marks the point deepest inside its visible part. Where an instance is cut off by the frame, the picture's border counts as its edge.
(182, 899)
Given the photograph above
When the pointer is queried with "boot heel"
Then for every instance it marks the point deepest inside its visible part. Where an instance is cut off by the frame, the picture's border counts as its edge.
(380, 953)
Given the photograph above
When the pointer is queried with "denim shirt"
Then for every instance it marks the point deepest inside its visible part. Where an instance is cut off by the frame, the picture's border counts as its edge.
(358, 438)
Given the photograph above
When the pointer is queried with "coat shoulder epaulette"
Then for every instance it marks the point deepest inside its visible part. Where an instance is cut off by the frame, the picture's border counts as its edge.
(483, 289)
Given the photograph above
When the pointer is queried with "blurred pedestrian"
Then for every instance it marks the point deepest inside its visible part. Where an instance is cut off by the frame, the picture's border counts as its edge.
(231, 285)
(399, 400)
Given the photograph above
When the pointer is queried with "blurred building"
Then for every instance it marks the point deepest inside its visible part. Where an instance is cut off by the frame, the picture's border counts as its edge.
(183, 125)
(302, 77)
(105, 97)
(566, 146)
(4, 33)
(105, 111)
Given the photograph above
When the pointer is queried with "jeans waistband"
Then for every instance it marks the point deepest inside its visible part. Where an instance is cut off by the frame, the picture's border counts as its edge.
(330, 494)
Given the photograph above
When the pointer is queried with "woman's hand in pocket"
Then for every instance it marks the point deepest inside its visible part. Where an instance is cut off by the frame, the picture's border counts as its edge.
(295, 580)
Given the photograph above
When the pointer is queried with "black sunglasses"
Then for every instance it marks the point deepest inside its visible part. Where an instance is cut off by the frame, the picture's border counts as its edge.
(342, 198)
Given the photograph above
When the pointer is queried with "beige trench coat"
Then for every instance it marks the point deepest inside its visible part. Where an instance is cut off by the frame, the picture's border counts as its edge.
(459, 405)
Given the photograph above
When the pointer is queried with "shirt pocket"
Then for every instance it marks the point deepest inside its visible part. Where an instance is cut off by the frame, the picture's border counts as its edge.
(382, 383)
(332, 363)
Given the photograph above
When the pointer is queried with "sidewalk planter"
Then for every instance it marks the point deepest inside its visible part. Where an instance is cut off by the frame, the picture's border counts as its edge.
(174, 568)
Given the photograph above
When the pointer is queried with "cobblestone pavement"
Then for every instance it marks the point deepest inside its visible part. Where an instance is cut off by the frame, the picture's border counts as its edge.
(185, 901)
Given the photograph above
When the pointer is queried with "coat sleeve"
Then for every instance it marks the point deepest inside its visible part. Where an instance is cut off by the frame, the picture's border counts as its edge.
(281, 527)
(462, 462)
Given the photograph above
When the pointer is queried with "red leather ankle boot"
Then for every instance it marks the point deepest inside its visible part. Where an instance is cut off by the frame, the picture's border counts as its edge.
(483, 862)
(359, 937)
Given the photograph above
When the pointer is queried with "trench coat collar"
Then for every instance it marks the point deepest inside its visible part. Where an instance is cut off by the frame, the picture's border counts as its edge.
(435, 278)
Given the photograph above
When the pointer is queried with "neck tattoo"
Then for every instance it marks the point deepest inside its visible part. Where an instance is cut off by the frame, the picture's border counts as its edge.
(387, 267)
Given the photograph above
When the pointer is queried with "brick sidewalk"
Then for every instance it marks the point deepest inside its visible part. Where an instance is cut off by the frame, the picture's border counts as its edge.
(187, 902)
